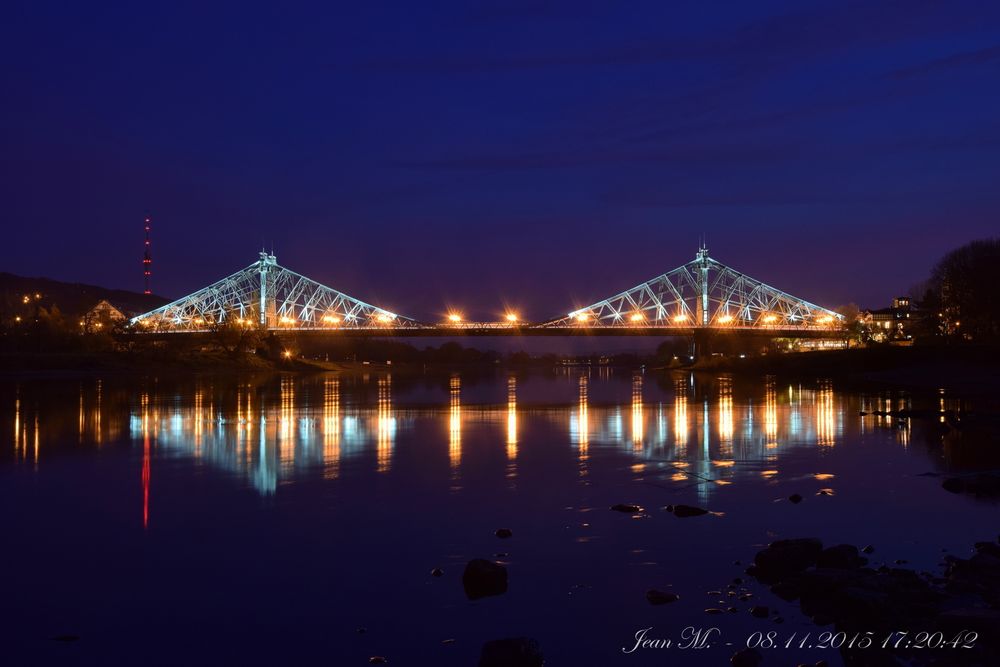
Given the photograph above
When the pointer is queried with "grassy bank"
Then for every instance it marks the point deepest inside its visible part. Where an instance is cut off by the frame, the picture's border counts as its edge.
(968, 369)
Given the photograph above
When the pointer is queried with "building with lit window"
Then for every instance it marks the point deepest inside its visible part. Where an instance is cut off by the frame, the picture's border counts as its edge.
(893, 324)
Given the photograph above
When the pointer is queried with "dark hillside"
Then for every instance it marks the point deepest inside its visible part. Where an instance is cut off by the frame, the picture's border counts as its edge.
(72, 299)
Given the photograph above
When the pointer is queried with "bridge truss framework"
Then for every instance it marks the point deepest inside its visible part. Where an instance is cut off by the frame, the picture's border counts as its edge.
(702, 295)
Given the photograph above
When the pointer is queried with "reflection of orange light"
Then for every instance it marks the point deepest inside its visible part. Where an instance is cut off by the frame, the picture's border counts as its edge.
(455, 422)
(638, 419)
(680, 418)
(331, 427)
(583, 418)
(825, 422)
(384, 425)
(768, 473)
(512, 417)
(823, 476)
(726, 415)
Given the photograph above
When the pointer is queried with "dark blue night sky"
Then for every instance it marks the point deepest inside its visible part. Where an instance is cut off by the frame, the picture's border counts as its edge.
(421, 155)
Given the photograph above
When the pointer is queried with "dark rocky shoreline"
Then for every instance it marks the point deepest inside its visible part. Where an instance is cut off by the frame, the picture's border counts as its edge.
(836, 586)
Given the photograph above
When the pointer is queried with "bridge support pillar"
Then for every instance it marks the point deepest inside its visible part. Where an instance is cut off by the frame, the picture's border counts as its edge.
(701, 344)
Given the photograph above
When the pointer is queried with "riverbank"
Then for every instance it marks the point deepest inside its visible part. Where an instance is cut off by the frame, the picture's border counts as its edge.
(965, 369)
(969, 370)
(129, 363)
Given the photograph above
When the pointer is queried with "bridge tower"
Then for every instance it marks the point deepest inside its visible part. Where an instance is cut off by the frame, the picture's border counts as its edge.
(265, 263)
(704, 312)
(284, 301)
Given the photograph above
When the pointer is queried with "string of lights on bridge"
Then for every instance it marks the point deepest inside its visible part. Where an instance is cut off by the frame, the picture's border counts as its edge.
(702, 294)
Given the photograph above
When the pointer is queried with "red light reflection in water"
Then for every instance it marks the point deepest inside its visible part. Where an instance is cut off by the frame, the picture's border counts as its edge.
(145, 480)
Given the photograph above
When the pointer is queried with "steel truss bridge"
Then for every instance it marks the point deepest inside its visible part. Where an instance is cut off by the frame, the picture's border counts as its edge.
(702, 296)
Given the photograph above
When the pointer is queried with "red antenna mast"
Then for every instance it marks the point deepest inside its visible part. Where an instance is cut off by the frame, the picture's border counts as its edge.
(147, 262)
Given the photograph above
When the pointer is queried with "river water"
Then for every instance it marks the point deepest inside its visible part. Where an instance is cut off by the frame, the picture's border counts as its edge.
(295, 520)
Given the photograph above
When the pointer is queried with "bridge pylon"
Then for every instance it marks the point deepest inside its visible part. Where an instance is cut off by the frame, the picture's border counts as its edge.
(703, 294)
(273, 297)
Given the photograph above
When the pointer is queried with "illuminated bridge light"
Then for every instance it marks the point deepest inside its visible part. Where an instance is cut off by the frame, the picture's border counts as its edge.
(299, 302)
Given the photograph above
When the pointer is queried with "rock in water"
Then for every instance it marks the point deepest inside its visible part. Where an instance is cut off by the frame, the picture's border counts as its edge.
(748, 657)
(483, 578)
(437, 572)
(983, 485)
(795, 498)
(842, 557)
(629, 509)
(759, 612)
(684, 511)
(503, 533)
(785, 557)
(513, 652)
(953, 484)
(660, 597)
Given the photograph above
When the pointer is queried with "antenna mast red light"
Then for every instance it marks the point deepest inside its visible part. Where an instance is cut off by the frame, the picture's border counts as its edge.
(147, 262)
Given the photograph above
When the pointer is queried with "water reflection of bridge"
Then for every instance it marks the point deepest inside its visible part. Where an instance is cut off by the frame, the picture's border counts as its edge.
(696, 434)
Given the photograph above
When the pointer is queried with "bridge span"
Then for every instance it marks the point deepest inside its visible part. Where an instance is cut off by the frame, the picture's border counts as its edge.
(701, 297)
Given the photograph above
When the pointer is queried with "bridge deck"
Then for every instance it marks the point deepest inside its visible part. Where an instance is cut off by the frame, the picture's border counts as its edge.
(486, 329)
